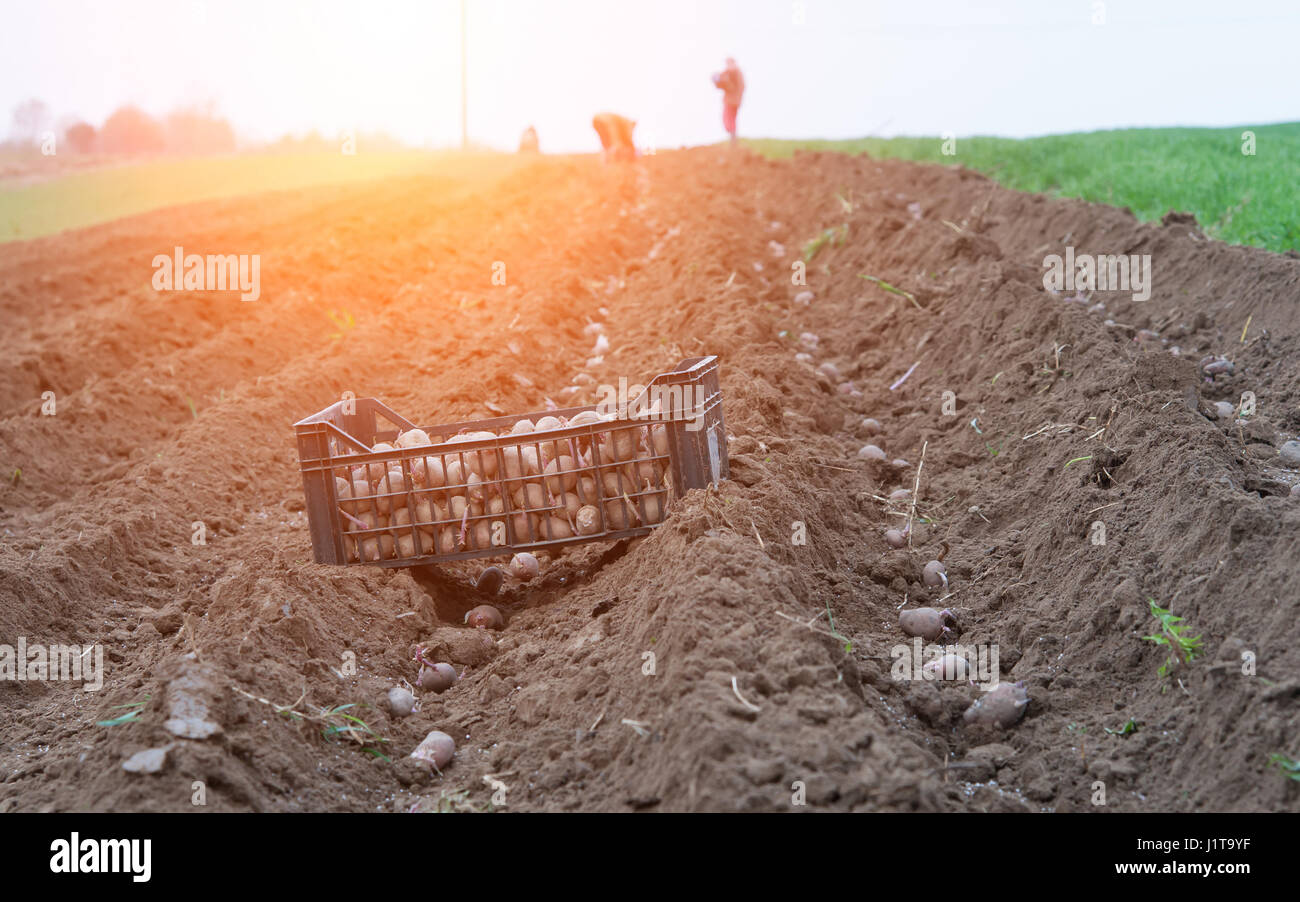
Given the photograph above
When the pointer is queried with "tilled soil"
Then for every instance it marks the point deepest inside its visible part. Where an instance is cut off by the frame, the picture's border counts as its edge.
(719, 663)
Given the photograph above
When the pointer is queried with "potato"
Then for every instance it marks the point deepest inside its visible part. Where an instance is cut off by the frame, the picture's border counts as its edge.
(371, 547)
(474, 487)
(437, 679)
(563, 448)
(655, 506)
(359, 495)
(367, 517)
(1001, 707)
(358, 547)
(948, 667)
(870, 452)
(437, 750)
(644, 471)
(525, 527)
(895, 538)
(413, 438)
(588, 520)
(428, 471)
(375, 471)
(424, 513)
(571, 504)
(457, 507)
(521, 462)
(553, 528)
(485, 617)
(586, 490)
(447, 538)
(524, 566)
(531, 497)
(559, 475)
(455, 473)
(480, 535)
(410, 544)
(482, 462)
(549, 422)
(389, 488)
(614, 485)
(522, 426)
(619, 516)
(586, 418)
(377, 548)
(935, 574)
(927, 623)
(400, 701)
(621, 444)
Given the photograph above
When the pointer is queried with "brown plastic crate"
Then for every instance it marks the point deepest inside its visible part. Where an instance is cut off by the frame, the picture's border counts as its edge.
(690, 452)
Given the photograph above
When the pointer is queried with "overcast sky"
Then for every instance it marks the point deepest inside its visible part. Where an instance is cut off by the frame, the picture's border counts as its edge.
(1015, 68)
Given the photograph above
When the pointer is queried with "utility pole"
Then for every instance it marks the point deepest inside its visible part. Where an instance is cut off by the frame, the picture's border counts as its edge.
(464, 126)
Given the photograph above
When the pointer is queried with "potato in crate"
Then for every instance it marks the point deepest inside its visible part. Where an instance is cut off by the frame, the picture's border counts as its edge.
(381, 490)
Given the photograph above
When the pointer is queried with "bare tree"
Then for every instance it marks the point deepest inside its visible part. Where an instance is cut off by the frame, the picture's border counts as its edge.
(80, 136)
(131, 130)
(31, 117)
(198, 129)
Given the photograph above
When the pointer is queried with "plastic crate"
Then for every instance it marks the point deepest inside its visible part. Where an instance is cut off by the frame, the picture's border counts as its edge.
(387, 508)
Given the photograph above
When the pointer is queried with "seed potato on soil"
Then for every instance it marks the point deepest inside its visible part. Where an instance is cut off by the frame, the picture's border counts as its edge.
(437, 678)
(935, 574)
(947, 667)
(484, 617)
(98, 529)
(927, 623)
(524, 566)
(401, 702)
(1000, 707)
(437, 749)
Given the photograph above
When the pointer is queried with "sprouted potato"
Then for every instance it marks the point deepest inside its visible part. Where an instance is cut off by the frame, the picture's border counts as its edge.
(524, 566)
(588, 520)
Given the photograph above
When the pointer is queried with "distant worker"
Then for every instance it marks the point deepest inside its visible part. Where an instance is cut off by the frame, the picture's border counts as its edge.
(615, 136)
(528, 141)
(732, 85)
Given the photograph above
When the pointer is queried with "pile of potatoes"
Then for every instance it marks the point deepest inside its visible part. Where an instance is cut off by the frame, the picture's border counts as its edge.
(535, 490)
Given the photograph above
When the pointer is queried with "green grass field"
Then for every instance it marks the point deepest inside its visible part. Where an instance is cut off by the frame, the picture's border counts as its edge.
(1236, 198)
(87, 197)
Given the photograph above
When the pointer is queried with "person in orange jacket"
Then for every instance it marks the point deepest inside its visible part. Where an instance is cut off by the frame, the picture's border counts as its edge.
(528, 141)
(732, 85)
(615, 133)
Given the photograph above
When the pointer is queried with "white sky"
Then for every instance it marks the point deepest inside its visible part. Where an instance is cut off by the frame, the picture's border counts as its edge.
(1015, 68)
